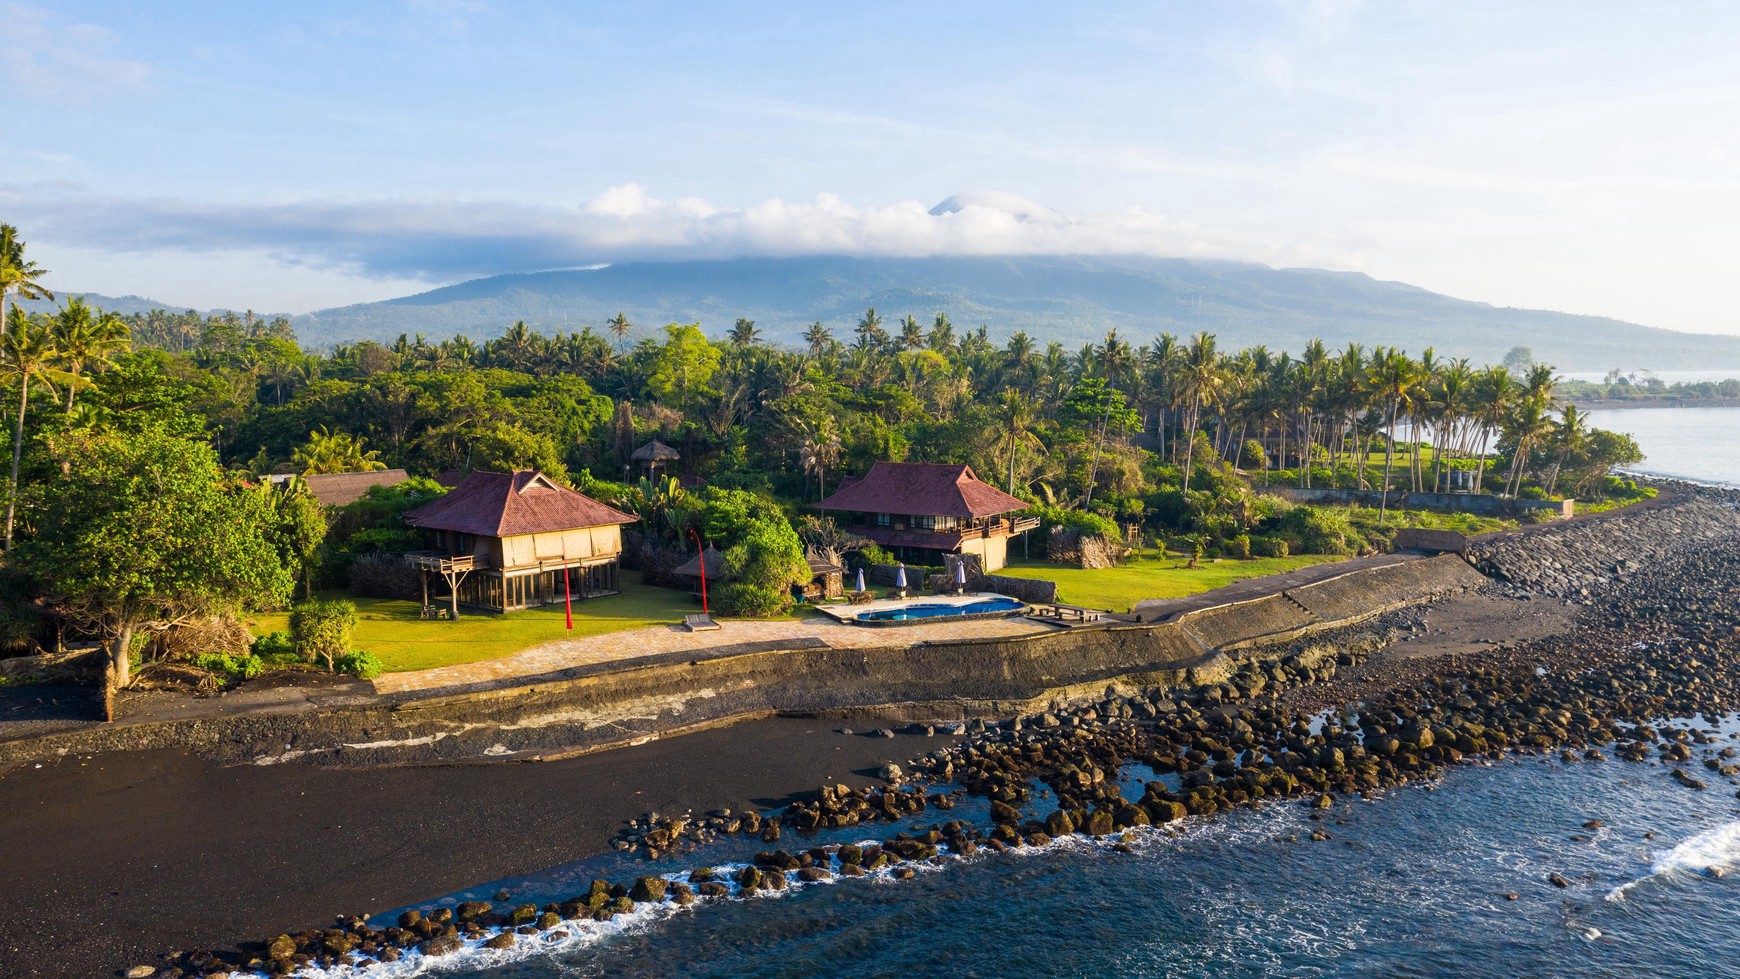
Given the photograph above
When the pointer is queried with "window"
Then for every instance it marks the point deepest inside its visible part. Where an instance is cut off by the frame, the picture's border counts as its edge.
(882, 520)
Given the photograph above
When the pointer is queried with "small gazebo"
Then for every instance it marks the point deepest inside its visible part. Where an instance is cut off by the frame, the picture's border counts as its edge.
(692, 569)
(654, 456)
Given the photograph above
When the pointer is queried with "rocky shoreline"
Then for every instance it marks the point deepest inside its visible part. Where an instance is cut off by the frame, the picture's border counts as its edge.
(1657, 636)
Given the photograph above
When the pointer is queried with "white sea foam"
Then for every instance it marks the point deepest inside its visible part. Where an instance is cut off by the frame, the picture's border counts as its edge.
(1710, 853)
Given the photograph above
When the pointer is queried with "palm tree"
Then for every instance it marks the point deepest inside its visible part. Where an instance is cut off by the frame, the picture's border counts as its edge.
(1202, 381)
(17, 274)
(745, 333)
(335, 452)
(911, 334)
(1571, 438)
(27, 353)
(820, 449)
(1016, 414)
(1392, 376)
(620, 327)
(819, 338)
(85, 339)
(869, 330)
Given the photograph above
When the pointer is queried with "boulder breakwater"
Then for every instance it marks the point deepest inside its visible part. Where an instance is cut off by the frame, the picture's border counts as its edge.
(1292, 716)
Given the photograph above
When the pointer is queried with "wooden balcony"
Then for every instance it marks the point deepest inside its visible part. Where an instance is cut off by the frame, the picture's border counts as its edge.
(441, 563)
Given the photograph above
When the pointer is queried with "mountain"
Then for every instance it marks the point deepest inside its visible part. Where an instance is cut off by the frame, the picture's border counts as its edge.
(126, 305)
(1071, 299)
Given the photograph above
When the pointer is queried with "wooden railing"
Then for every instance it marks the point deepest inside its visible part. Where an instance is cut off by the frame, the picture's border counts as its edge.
(441, 563)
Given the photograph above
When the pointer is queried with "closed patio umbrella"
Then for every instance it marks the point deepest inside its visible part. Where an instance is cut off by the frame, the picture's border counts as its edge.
(961, 573)
(860, 579)
(900, 576)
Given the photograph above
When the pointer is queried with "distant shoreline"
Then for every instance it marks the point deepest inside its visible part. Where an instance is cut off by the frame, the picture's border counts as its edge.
(1611, 405)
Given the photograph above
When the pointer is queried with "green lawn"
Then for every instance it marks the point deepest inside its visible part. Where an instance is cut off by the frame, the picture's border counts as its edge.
(393, 631)
(1147, 576)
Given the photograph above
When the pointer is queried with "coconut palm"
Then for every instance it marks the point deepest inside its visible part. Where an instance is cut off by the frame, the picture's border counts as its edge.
(819, 338)
(1016, 414)
(820, 449)
(335, 452)
(619, 327)
(745, 333)
(85, 339)
(1393, 378)
(28, 355)
(1203, 381)
(18, 274)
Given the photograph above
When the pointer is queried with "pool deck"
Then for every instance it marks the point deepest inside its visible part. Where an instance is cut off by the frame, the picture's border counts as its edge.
(846, 613)
(833, 630)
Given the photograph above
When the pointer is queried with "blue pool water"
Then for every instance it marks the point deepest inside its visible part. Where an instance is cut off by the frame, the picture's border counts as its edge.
(931, 610)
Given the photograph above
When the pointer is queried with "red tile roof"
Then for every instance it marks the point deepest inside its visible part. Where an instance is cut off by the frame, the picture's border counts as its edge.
(920, 488)
(509, 504)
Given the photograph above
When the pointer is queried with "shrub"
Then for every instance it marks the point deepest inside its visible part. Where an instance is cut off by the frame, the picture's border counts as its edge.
(320, 629)
(752, 601)
(273, 646)
(1238, 546)
(1268, 547)
(243, 667)
(870, 554)
(357, 663)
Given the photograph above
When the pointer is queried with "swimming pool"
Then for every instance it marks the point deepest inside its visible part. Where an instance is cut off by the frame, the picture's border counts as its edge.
(932, 610)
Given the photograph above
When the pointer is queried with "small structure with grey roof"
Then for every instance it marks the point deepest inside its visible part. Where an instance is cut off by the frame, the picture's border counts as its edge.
(501, 541)
(922, 511)
(654, 457)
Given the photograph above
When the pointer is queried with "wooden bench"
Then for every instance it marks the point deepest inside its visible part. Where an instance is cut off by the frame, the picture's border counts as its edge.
(860, 597)
(700, 622)
(1070, 612)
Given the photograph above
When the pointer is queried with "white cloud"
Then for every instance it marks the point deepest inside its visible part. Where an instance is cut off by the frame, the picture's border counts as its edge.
(45, 56)
(447, 240)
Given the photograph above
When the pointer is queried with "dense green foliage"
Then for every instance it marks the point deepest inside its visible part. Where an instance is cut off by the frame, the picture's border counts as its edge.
(320, 629)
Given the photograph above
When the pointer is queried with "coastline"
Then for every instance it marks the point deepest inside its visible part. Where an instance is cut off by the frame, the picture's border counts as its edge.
(138, 853)
(304, 843)
(1585, 404)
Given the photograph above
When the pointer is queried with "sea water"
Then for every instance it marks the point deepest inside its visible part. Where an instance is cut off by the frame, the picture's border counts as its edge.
(1699, 444)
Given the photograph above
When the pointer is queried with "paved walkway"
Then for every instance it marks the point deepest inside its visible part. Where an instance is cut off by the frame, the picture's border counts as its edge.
(567, 653)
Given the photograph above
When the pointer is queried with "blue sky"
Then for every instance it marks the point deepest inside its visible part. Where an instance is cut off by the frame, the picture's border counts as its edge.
(1575, 156)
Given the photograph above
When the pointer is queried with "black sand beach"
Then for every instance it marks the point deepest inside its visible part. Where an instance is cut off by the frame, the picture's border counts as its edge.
(109, 861)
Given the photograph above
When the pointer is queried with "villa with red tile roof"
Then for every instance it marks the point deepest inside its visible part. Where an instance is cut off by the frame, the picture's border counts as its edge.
(501, 541)
(922, 511)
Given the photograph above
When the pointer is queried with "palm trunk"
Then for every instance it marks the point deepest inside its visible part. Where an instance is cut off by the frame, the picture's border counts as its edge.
(1389, 459)
(17, 453)
(1190, 440)
(72, 388)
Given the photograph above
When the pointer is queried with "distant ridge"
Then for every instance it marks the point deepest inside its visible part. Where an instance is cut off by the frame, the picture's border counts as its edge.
(1072, 299)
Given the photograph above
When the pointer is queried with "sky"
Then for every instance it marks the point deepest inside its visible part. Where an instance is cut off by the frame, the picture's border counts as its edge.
(1578, 156)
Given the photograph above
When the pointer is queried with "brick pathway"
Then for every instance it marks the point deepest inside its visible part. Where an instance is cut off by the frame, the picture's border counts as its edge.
(564, 653)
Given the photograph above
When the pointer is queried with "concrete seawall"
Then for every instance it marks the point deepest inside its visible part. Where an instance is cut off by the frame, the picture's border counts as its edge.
(612, 704)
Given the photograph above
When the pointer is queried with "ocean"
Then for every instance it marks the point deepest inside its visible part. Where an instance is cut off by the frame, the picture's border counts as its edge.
(1698, 444)
(1418, 882)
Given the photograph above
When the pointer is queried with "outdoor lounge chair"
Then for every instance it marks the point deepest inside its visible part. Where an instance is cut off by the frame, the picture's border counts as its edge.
(700, 622)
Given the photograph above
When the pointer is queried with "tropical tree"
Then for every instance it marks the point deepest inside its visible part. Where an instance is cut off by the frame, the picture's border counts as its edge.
(1016, 414)
(1393, 378)
(620, 327)
(820, 450)
(28, 356)
(85, 339)
(327, 451)
(146, 532)
(18, 275)
(745, 333)
(1202, 382)
(819, 338)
